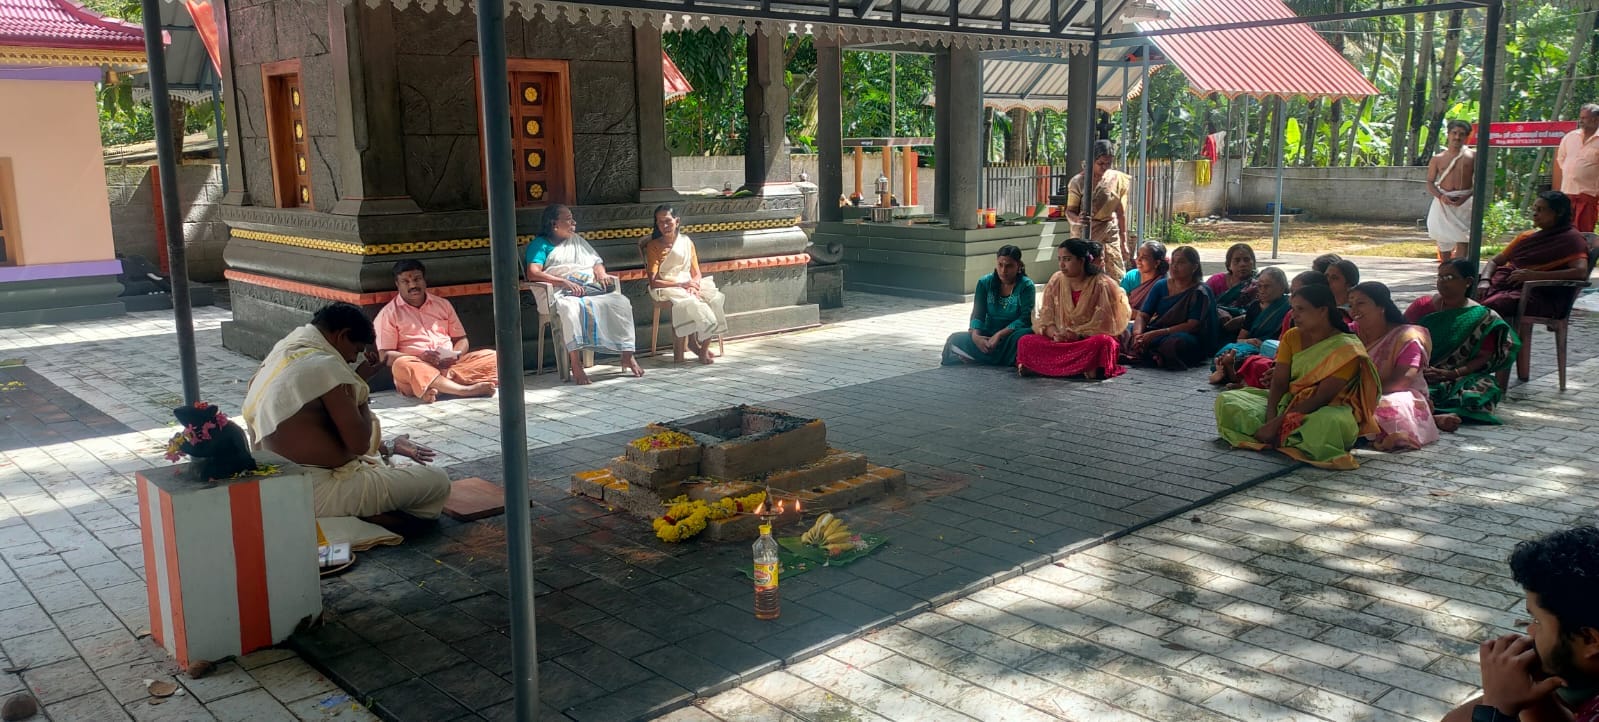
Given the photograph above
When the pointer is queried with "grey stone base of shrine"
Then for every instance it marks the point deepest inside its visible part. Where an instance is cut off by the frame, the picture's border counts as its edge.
(1003, 475)
(58, 300)
(935, 262)
(199, 295)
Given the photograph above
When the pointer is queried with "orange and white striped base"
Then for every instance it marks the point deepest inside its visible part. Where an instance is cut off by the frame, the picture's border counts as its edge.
(230, 567)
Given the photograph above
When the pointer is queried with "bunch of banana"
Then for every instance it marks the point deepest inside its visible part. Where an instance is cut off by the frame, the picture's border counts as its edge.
(830, 533)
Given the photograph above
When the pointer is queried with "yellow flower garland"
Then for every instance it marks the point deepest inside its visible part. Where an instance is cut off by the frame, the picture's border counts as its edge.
(686, 518)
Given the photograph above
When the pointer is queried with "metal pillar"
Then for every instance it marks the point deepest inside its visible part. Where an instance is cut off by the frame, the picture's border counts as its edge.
(1093, 123)
(1277, 208)
(1143, 140)
(222, 145)
(167, 164)
(965, 101)
(495, 96)
(1485, 116)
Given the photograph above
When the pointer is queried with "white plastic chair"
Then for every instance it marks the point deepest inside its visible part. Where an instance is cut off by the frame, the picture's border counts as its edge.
(550, 324)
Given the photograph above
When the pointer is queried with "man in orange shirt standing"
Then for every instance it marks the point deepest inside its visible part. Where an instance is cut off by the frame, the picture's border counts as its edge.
(1577, 168)
(424, 344)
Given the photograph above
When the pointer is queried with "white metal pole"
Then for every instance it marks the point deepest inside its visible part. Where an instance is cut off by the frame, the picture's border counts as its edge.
(1277, 208)
(1143, 139)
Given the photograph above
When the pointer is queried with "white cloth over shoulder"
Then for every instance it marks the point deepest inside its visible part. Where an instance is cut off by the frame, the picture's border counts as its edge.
(692, 314)
(299, 369)
(594, 321)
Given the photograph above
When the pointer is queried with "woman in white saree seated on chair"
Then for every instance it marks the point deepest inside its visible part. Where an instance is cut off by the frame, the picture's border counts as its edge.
(594, 314)
(673, 266)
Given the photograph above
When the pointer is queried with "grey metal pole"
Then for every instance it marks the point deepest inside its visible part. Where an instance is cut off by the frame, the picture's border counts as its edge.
(1126, 132)
(1277, 208)
(222, 143)
(496, 99)
(167, 166)
(1485, 115)
(1093, 123)
(1143, 140)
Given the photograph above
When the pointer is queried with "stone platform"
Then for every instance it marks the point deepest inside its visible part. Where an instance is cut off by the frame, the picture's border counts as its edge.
(1003, 475)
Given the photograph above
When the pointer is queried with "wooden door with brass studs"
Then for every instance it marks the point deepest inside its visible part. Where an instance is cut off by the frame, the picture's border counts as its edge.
(540, 137)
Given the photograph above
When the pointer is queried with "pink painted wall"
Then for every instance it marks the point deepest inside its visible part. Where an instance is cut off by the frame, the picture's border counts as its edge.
(50, 131)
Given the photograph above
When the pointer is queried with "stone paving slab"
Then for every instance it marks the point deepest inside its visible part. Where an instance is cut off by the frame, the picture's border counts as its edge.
(1003, 474)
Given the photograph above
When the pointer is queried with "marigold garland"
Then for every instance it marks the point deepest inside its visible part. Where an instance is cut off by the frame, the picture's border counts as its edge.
(663, 440)
(686, 518)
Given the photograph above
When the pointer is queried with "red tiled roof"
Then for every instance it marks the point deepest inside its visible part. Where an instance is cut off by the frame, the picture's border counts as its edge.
(64, 24)
(1285, 60)
(677, 86)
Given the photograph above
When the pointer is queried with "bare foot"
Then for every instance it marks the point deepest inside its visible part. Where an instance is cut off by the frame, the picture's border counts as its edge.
(1447, 422)
(631, 364)
(580, 377)
(485, 388)
(1024, 372)
(429, 396)
(1234, 386)
(704, 352)
(1224, 367)
(1094, 375)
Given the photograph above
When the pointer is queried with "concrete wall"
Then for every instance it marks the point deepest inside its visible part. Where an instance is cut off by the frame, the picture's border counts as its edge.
(697, 172)
(53, 144)
(1394, 194)
(133, 227)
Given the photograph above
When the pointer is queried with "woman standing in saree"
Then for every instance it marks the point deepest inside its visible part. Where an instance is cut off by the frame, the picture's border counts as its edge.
(1554, 252)
(673, 268)
(1234, 288)
(1471, 343)
(594, 313)
(1323, 391)
(1177, 327)
(1263, 321)
(1150, 265)
(1080, 315)
(1002, 312)
(1400, 351)
(1102, 216)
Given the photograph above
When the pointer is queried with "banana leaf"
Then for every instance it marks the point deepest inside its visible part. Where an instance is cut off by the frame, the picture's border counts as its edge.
(818, 556)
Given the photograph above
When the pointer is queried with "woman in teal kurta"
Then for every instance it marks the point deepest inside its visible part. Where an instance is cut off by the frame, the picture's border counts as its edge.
(1002, 312)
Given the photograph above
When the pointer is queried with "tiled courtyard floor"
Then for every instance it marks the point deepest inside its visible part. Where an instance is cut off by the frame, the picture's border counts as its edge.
(1353, 595)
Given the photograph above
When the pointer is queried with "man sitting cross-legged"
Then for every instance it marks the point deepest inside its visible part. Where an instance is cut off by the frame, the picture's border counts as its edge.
(1551, 672)
(309, 406)
(423, 343)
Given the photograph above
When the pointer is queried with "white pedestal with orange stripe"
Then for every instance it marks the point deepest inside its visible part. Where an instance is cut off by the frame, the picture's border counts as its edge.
(230, 566)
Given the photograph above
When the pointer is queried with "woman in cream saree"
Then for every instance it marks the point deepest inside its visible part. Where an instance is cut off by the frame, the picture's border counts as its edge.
(673, 267)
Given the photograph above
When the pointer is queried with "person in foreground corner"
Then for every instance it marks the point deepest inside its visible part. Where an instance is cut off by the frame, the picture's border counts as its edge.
(1177, 326)
(307, 405)
(1400, 351)
(1323, 391)
(1554, 252)
(1551, 672)
(1263, 321)
(594, 313)
(1471, 343)
(673, 265)
(1080, 316)
(421, 339)
(1002, 312)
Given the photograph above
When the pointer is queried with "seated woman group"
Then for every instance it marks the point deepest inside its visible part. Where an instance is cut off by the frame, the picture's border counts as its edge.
(1471, 343)
(1177, 325)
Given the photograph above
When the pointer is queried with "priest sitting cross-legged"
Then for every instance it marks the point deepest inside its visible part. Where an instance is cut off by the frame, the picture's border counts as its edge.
(308, 404)
(424, 344)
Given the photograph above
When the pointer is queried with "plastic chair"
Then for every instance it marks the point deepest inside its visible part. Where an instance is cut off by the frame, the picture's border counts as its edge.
(1557, 323)
(550, 324)
(678, 344)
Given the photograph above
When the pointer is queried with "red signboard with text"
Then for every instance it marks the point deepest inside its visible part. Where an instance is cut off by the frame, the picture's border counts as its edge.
(1526, 133)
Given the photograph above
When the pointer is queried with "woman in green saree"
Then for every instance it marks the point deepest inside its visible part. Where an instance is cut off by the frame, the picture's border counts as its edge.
(1323, 393)
(1002, 312)
(1470, 344)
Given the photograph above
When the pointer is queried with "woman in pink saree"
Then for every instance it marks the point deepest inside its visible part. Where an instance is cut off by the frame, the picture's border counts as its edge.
(1401, 353)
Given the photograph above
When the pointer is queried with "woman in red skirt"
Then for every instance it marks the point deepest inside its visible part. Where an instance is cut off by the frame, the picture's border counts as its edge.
(1081, 311)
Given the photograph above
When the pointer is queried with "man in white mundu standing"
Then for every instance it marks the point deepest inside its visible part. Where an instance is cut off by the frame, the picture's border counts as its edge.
(673, 266)
(1449, 182)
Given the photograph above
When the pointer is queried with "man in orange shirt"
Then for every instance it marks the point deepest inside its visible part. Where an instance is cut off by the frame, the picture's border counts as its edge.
(424, 344)
(1577, 168)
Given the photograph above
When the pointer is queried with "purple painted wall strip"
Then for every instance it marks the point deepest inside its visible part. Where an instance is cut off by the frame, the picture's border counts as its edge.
(16, 72)
(48, 271)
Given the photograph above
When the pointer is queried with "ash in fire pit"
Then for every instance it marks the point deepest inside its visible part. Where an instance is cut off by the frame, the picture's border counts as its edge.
(730, 453)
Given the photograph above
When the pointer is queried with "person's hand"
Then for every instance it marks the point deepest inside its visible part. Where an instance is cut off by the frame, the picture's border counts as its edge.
(1070, 336)
(1509, 664)
(1267, 433)
(984, 343)
(572, 288)
(606, 280)
(1520, 275)
(1265, 378)
(1253, 342)
(447, 361)
(1432, 374)
(404, 446)
(431, 356)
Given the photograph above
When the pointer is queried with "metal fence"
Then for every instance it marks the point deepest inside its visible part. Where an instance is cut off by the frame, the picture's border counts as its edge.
(1019, 187)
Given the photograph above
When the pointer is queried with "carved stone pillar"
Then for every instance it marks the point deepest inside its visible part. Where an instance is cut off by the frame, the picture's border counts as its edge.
(829, 129)
(766, 163)
(365, 81)
(941, 100)
(965, 101)
(654, 160)
(233, 160)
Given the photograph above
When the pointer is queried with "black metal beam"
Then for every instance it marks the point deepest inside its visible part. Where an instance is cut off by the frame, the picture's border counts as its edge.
(862, 8)
(1275, 22)
(1004, 15)
(1057, 22)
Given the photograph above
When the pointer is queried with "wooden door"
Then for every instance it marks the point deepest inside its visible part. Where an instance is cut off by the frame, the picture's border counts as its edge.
(541, 136)
(288, 139)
